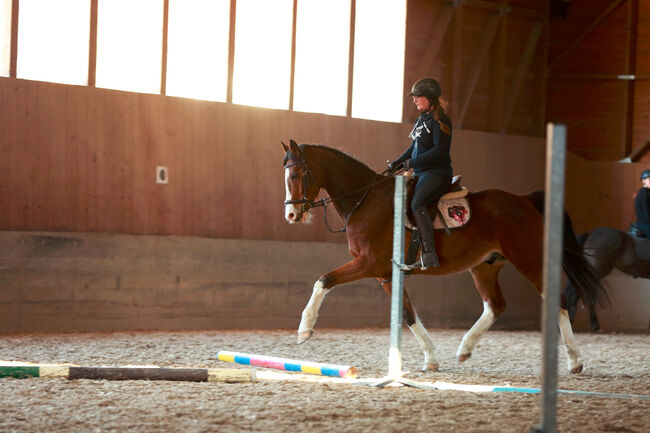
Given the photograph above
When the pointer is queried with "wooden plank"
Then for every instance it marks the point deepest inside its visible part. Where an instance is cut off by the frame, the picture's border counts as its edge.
(231, 49)
(475, 69)
(432, 49)
(165, 37)
(92, 46)
(638, 153)
(292, 77)
(520, 73)
(13, 56)
(498, 77)
(630, 53)
(457, 63)
(569, 48)
(353, 15)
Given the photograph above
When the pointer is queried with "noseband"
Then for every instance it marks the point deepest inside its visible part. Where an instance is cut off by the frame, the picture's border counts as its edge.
(305, 203)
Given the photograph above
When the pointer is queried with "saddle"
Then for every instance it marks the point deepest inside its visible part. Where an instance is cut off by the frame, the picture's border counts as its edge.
(452, 211)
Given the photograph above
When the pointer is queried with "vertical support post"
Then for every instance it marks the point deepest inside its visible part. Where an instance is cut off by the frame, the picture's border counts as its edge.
(397, 283)
(553, 235)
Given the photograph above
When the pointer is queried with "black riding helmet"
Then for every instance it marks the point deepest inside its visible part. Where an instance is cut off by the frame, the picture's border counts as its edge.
(427, 87)
(646, 173)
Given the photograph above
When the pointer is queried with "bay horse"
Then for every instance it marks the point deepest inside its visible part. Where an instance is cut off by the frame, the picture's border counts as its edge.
(503, 225)
(606, 249)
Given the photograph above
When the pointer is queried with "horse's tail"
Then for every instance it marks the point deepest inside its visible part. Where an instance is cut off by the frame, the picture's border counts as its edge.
(576, 267)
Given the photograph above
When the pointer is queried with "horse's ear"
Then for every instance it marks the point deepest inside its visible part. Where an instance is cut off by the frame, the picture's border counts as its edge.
(294, 147)
(285, 147)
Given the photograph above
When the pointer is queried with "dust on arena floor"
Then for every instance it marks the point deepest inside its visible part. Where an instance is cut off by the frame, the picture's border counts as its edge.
(614, 363)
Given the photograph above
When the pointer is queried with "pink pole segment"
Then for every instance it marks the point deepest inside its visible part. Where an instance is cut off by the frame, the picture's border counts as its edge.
(332, 370)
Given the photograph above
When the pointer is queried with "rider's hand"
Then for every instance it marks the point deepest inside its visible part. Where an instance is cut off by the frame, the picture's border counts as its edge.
(392, 167)
(407, 164)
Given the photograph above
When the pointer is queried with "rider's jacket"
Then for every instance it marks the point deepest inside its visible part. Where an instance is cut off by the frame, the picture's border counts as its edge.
(430, 144)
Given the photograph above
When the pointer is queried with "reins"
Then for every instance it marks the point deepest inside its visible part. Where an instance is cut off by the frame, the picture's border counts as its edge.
(310, 204)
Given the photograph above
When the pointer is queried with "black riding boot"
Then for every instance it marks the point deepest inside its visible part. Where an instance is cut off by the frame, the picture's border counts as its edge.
(428, 258)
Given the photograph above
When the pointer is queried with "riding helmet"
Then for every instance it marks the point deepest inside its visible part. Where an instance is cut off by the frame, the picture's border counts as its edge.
(426, 87)
(646, 173)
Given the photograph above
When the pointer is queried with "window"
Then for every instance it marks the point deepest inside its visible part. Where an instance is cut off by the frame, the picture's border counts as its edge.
(263, 53)
(129, 45)
(378, 89)
(53, 40)
(322, 56)
(5, 37)
(197, 49)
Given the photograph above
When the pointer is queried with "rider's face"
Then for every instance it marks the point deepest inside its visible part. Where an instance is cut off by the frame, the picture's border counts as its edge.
(422, 102)
(645, 182)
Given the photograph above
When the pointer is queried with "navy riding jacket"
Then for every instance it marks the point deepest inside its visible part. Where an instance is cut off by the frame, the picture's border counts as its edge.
(430, 146)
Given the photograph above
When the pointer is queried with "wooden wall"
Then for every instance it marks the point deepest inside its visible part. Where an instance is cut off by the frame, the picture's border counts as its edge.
(489, 57)
(590, 51)
(77, 159)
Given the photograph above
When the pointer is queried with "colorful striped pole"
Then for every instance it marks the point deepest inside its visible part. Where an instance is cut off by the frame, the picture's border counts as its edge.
(332, 370)
(129, 373)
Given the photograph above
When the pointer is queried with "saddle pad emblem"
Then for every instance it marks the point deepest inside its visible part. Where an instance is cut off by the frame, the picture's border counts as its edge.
(455, 211)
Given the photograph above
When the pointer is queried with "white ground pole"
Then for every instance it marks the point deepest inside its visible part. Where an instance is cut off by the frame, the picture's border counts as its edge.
(552, 277)
(397, 283)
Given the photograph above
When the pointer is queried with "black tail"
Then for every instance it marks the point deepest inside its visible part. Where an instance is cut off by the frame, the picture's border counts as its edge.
(579, 272)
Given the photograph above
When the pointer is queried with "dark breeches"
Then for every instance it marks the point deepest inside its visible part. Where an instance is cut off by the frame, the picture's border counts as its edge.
(430, 186)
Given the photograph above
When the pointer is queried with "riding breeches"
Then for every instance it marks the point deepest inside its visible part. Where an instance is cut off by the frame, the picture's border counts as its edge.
(430, 187)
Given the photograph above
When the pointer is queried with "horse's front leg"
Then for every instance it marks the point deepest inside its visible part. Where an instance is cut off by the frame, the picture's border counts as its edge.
(351, 271)
(417, 328)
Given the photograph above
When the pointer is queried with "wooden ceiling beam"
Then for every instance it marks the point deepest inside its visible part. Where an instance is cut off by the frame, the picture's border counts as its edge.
(479, 59)
(433, 46)
(520, 73)
(569, 48)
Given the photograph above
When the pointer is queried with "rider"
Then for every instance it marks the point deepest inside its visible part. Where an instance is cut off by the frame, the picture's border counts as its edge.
(642, 204)
(428, 156)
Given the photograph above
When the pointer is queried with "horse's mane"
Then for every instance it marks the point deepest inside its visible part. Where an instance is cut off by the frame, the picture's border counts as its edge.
(338, 153)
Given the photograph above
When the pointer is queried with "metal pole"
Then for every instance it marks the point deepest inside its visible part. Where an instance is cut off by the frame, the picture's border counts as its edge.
(397, 283)
(553, 241)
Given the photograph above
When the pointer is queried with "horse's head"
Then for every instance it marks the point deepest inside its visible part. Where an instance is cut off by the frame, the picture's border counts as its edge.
(300, 183)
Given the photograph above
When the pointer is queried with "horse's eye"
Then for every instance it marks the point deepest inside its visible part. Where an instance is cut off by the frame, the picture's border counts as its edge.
(294, 176)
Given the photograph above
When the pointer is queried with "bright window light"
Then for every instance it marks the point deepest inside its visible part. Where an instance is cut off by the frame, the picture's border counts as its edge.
(129, 45)
(263, 53)
(5, 37)
(197, 49)
(380, 29)
(53, 41)
(322, 56)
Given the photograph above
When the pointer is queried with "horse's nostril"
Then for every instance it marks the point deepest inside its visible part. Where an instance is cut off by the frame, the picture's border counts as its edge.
(292, 216)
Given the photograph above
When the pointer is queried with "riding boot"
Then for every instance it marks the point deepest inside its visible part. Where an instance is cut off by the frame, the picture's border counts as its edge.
(428, 257)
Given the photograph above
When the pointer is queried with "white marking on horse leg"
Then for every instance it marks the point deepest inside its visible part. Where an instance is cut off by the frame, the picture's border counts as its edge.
(471, 337)
(424, 340)
(310, 313)
(572, 354)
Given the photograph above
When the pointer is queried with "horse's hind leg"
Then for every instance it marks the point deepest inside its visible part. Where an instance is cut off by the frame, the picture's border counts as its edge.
(572, 354)
(415, 325)
(486, 279)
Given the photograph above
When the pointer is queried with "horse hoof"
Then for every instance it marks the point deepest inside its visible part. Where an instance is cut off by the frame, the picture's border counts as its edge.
(463, 357)
(430, 366)
(577, 369)
(304, 336)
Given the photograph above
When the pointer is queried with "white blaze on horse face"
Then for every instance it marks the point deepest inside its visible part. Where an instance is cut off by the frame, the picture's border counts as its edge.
(291, 211)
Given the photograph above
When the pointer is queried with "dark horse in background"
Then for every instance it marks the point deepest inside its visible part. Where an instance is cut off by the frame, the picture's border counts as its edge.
(503, 225)
(606, 248)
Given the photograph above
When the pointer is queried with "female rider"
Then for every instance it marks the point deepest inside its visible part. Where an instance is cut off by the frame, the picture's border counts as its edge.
(428, 156)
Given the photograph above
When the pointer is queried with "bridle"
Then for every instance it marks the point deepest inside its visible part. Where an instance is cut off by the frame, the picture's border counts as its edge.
(307, 204)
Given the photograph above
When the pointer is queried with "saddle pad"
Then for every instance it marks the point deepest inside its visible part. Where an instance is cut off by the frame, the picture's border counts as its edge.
(455, 211)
